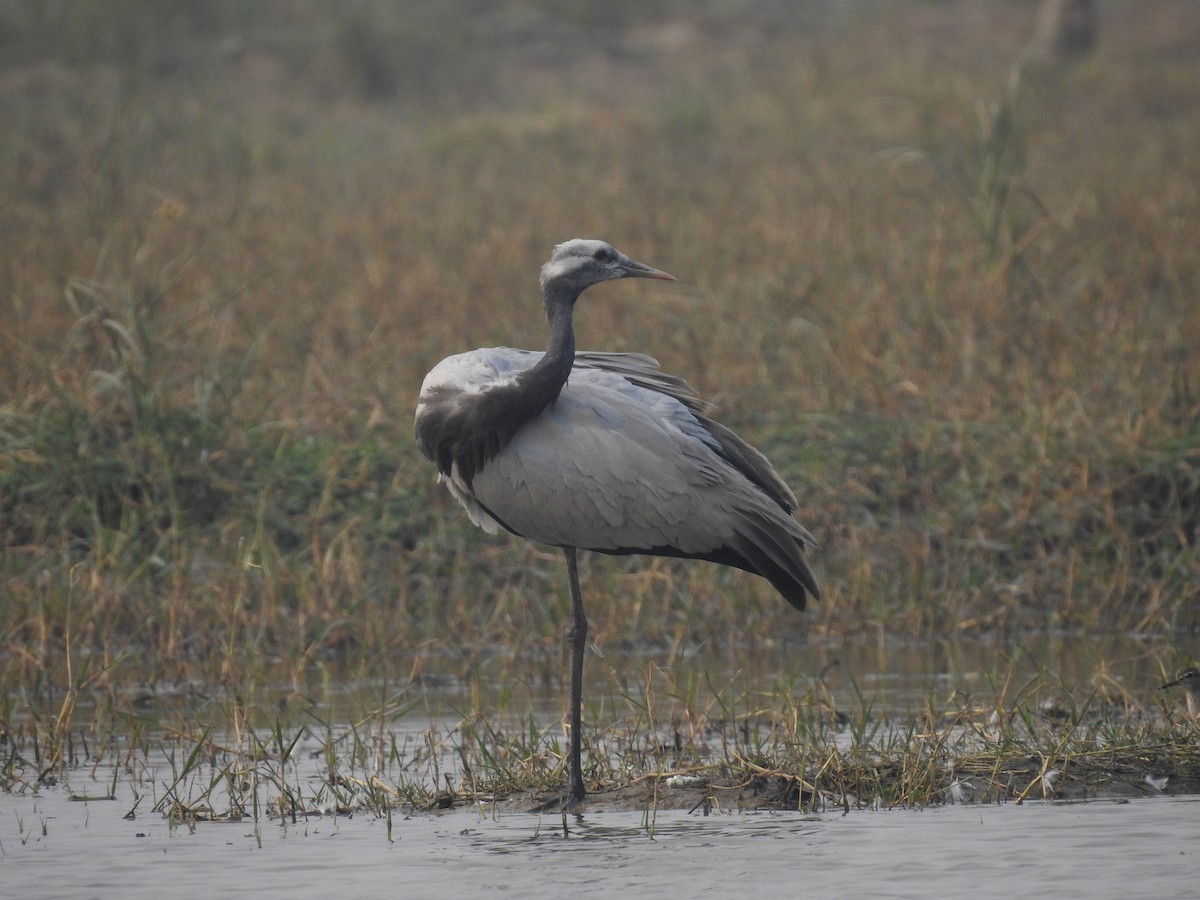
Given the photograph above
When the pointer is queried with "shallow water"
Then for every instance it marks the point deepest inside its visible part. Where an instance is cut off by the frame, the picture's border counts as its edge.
(54, 846)
(1100, 849)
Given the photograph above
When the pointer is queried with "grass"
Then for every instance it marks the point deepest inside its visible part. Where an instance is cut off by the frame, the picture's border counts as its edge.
(923, 272)
(661, 743)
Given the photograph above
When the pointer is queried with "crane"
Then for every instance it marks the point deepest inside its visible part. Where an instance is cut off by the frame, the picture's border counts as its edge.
(603, 452)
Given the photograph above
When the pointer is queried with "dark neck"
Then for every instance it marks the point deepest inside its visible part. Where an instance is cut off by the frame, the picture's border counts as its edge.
(467, 431)
(541, 384)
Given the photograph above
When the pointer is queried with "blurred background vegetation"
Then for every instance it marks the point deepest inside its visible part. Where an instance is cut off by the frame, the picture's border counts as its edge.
(941, 269)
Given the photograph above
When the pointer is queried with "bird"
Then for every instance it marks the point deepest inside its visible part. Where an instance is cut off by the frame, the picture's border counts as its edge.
(1189, 679)
(603, 451)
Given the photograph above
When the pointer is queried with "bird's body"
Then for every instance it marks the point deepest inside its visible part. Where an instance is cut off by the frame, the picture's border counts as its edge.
(624, 462)
(1189, 679)
(604, 452)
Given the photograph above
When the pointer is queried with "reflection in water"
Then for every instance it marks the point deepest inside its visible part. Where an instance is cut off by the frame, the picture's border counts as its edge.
(895, 678)
(1064, 850)
(53, 846)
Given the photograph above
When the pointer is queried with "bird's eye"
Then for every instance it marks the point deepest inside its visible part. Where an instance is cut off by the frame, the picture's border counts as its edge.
(602, 255)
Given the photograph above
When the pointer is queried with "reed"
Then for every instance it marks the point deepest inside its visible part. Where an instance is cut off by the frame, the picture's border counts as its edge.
(712, 747)
(953, 305)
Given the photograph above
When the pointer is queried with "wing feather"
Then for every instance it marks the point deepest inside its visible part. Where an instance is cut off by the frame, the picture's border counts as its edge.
(625, 461)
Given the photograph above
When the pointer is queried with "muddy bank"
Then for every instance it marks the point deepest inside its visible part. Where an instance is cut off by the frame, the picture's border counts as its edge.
(1018, 782)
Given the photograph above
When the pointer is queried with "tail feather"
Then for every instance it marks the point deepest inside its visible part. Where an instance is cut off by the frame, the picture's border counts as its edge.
(779, 557)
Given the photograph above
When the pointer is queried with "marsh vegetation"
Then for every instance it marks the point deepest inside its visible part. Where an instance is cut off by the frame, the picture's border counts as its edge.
(948, 287)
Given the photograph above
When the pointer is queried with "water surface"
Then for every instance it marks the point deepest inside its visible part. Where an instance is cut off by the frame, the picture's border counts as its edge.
(54, 846)
(1099, 849)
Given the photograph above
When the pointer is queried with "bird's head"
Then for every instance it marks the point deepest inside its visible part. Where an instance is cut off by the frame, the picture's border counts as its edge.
(1189, 678)
(580, 263)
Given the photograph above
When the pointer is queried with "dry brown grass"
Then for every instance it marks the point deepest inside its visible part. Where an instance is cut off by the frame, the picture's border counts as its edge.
(956, 305)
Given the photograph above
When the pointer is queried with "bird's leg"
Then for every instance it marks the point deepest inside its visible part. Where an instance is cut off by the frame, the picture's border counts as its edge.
(577, 639)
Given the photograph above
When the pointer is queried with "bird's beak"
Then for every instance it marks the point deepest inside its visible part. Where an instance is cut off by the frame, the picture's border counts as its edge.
(1169, 684)
(633, 269)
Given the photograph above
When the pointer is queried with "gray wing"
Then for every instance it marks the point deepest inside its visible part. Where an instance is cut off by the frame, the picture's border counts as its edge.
(624, 462)
(643, 371)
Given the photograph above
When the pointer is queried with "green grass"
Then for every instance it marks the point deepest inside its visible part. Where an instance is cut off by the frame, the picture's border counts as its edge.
(932, 280)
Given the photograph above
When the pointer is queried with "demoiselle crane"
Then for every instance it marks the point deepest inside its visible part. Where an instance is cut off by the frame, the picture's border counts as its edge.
(603, 452)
